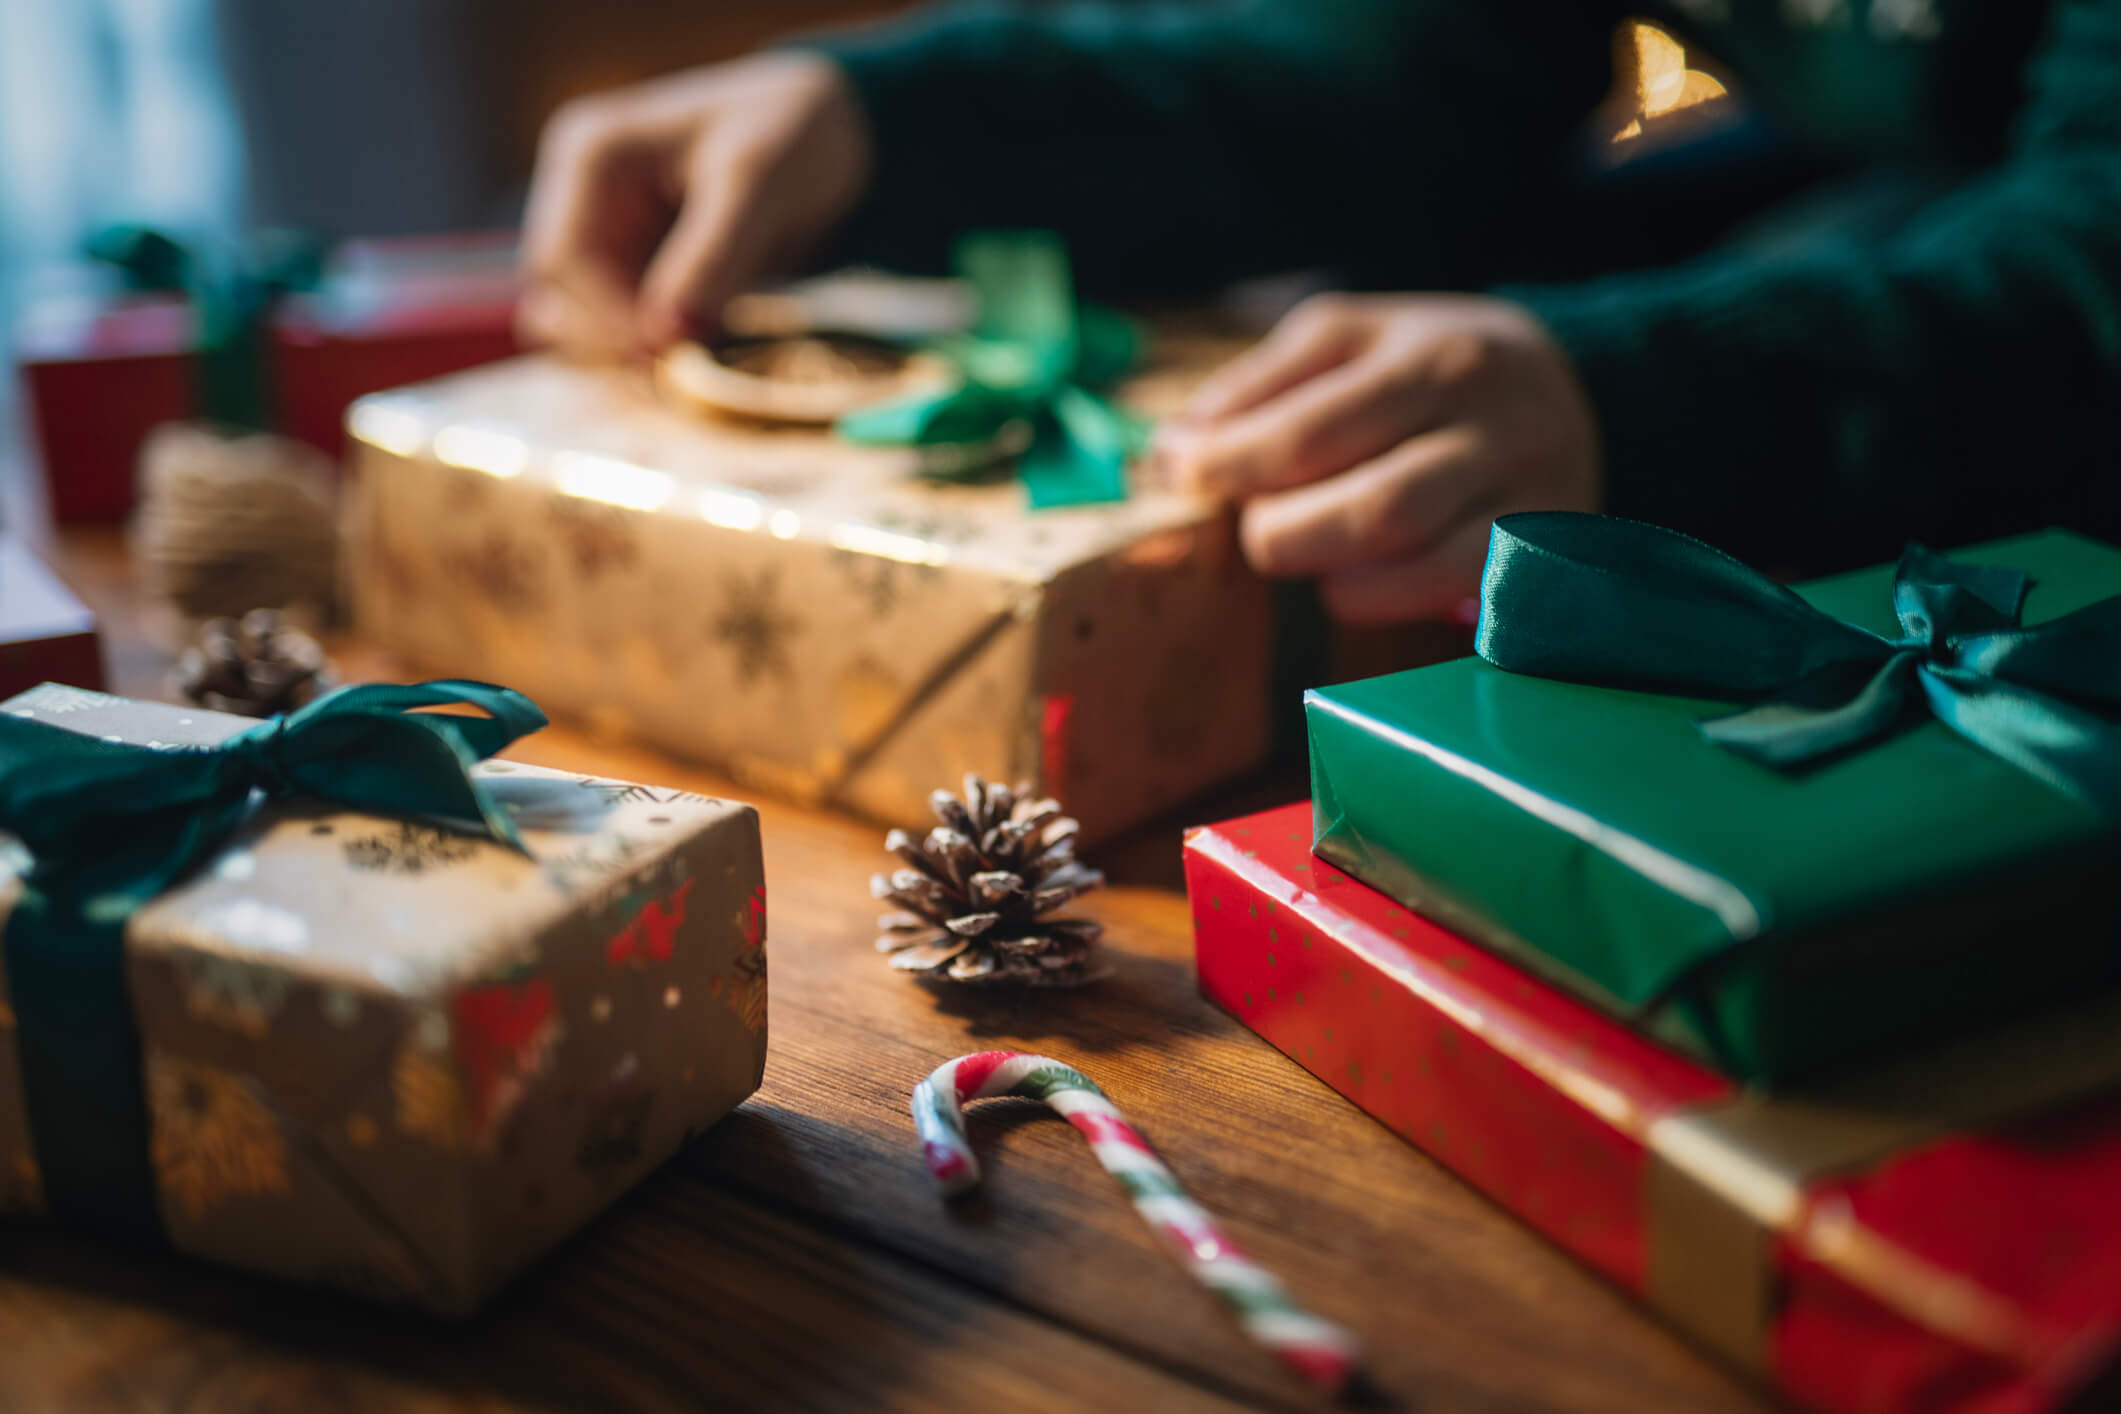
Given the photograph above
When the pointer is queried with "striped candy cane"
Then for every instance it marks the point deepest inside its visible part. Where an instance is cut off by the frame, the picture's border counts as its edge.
(1321, 1352)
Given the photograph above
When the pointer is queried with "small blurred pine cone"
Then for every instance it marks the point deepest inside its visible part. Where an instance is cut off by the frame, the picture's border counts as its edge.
(256, 666)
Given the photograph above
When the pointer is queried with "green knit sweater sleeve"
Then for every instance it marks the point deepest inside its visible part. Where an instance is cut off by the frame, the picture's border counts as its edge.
(1179, 145)
(1821, 400)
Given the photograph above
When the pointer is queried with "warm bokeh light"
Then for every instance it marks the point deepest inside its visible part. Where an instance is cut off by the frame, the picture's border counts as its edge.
(1656, 82)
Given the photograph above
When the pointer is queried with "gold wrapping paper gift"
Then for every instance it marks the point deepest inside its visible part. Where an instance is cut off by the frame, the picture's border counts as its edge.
(402, 1061)
(808, 614)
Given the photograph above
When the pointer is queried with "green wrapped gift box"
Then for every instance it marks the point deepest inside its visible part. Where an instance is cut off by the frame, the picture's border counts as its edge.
(1769, 922)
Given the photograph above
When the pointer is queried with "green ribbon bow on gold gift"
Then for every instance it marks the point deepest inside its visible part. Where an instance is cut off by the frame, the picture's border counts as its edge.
(231, 298)
(1034, 361)
(109, 825)
(1616, 603)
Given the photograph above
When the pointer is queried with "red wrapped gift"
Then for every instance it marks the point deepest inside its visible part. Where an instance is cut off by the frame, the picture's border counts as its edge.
(97, 373)
(1937, 1235)
(100, 369)
(46, 634)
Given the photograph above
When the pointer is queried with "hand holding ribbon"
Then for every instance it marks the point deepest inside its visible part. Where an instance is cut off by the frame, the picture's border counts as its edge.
(1032, 357)
(108, 825)
(1617, 603)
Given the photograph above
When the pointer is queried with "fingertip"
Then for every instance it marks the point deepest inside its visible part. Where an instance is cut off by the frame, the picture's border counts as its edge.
(658, 325)
(548, 319)
(1257, 542)
(571, 324)
(1175, 458)
(532, 328)
(674, 309)
(1262, 533)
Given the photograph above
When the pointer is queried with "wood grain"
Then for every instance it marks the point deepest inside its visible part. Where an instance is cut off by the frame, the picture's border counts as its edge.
(797, 1256)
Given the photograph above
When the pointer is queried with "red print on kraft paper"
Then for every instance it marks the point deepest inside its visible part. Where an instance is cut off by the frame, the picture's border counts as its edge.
(1056, 742)
(504, 1034)
(652, 932)
(755, 918)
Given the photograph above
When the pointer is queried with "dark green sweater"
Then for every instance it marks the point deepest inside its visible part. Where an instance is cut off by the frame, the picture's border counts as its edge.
(1931, 349)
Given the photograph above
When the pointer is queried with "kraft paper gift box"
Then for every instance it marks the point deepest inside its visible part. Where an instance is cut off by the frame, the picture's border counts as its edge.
(376, 1052)
(1773, 922)
(1933, 1234)
(808, 614)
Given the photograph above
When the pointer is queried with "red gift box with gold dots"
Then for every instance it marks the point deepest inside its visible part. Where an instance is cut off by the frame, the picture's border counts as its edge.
(1936, 1234)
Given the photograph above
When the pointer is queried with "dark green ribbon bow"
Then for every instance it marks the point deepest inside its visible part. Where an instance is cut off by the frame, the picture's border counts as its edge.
(1617, 603)
(231, 298)
(109, 825)
(1035, 359)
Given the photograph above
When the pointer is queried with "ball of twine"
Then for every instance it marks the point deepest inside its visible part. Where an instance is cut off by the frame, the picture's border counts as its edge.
(232, 521)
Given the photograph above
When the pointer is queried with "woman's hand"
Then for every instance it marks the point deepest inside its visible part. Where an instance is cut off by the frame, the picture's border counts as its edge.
(1373, 439)
(652, 205)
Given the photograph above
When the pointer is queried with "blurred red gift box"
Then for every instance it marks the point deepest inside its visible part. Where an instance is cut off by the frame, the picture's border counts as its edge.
(101, 366)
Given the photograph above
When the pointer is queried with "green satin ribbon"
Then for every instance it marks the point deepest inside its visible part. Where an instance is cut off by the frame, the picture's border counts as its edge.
(231, 298)
(1033, 357)
(1616, 603)
(109, 825)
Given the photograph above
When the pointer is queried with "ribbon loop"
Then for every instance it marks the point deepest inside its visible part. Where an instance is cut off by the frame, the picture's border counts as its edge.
(2078, 654)
(1939, 600)
(1600, 599)
(1620, 604)
(1033, 356)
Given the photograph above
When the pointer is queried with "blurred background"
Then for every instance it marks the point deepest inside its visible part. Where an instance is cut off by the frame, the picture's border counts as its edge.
(345, 118)
(381, 117)
(207, 118)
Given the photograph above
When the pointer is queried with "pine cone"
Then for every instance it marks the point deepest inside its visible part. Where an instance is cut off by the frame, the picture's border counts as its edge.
(978, 888)
(256, 667)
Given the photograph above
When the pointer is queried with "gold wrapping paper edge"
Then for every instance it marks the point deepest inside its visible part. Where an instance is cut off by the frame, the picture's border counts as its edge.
(1726, 1181)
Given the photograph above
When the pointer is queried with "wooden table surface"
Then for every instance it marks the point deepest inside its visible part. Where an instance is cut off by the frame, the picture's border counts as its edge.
(797, 1256)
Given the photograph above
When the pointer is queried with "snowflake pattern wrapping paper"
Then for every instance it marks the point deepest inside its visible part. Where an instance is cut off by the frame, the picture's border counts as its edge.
(403, 1061)
(806, 614)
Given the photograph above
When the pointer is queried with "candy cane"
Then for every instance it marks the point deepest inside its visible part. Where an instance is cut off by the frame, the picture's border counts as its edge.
(1321, 1352)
